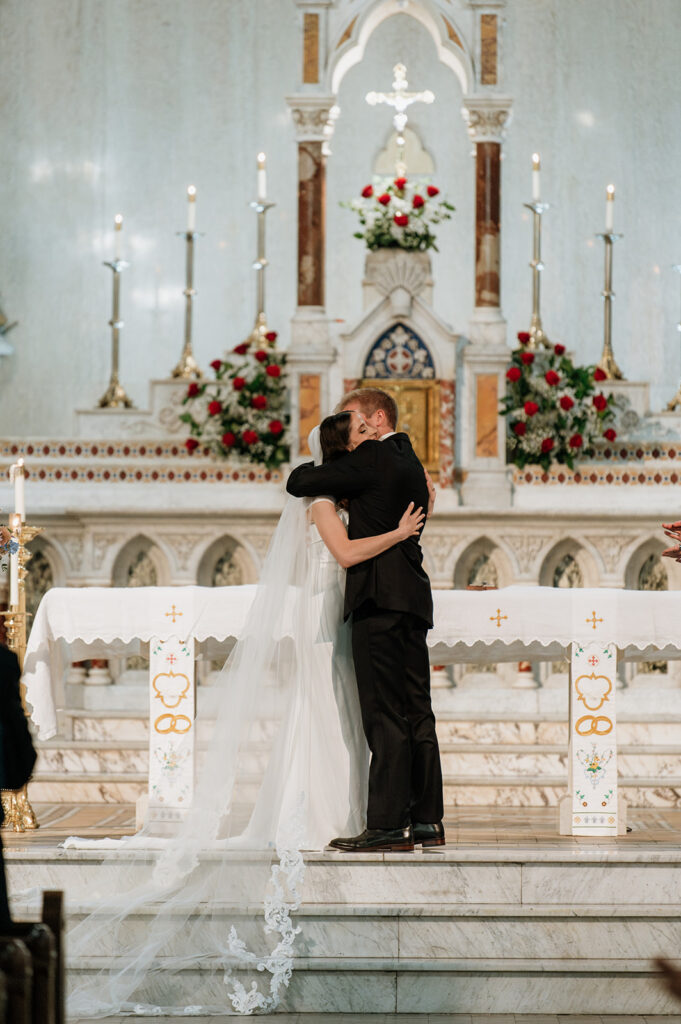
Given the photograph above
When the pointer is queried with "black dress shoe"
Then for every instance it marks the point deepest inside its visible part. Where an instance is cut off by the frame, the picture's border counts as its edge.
(429, 835)
(385, 840)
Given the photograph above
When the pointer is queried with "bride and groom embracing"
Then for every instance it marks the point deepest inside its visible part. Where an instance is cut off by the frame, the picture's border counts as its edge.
(362, 462)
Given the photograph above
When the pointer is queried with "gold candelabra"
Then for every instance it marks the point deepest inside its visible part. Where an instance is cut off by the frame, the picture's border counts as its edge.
(115, 397)
(260, 328)
(537, 335)
(676, 400)
(19, 815)
(187, 368)
(607, 363)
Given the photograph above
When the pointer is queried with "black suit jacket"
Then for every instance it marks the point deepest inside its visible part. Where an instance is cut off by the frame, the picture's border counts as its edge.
(17, 756)
(379, 478)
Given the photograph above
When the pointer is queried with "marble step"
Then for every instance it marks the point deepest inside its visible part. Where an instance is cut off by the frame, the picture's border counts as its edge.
(484, 727)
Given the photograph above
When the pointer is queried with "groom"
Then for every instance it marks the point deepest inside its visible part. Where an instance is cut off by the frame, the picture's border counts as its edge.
(391, 605)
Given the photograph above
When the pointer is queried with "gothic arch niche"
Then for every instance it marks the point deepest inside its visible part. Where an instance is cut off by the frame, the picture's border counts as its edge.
(646, 570)
(399, 353)
(44, 571)
(482, 563)
(566, 565)
(356, 33)
(140, 563)
(226, 564)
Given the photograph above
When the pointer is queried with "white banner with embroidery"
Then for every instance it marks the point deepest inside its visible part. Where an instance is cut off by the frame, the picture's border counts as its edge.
(172, 709)
(593, 739)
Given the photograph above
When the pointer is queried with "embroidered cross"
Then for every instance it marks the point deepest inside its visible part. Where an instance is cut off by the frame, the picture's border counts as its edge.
(593, 660)
(498, 617)
(593, 620)
(174, 613)
(171, 659)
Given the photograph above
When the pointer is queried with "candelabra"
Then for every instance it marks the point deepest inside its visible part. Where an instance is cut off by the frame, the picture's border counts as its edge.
(19, 815)
(537, 335)
(260, 328)
(115, 397)
(676, 400)
(607, 362)
(187, 368)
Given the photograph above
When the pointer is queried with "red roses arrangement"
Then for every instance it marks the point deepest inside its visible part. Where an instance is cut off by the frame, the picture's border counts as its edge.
(242, 412)
(555, 410)
(399, 215)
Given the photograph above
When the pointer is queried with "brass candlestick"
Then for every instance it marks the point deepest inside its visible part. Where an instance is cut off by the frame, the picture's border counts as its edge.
(676, 400)
(115, 397)
(607, 362)
(537, 335)
(187, 368)
(19, 815)
(260, 328)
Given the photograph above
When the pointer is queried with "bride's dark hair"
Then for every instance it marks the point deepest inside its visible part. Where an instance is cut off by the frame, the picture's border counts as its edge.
(334, 435)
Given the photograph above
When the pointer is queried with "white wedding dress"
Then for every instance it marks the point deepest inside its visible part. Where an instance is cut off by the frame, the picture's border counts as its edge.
(283, 768)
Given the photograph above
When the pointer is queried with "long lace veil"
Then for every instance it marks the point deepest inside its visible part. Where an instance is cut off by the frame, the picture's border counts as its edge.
(208, 910)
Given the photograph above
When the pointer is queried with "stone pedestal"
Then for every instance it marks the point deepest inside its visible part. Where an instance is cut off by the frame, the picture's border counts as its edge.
(161, 419)
(481, 429)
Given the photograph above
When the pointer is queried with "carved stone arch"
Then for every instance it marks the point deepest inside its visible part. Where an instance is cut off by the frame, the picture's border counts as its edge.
(449, 45)
(45, 569)
(140, 562)
(483, 561)
(226, 562)
(643, 559)
(399, 352)
(569, 563)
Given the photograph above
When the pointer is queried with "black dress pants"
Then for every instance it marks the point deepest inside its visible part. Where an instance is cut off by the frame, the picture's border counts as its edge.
(393, 678)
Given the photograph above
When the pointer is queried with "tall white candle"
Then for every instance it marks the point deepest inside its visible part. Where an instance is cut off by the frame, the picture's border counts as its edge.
(536, 167)
(118, 227)
(609, 207)
(16, 474)
(15, 526)
(262, 178)
(191, 208)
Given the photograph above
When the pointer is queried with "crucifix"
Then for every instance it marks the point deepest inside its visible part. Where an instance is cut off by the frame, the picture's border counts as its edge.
(400, 99)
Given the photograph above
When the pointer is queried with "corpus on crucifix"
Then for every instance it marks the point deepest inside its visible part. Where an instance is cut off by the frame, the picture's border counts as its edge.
(400, 99)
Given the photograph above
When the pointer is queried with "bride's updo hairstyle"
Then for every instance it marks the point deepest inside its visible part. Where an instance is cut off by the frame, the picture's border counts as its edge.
(334, 434)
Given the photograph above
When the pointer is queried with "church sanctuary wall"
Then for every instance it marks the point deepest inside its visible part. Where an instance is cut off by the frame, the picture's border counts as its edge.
(116, 107)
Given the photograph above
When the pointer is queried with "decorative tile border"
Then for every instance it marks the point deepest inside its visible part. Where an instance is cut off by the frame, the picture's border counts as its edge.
(63, 449)
(622, 475)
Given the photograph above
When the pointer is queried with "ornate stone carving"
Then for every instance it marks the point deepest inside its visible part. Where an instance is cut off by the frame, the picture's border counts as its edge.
(610, 548)
(313, 117)
(487, 117)
(182, 545)
(389, 269)
(101, 543)
(74, 548)
(526, 548)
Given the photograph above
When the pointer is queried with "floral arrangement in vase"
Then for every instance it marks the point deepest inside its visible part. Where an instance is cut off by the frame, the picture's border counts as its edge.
(242, 412)
(400, 215)
(554, 410)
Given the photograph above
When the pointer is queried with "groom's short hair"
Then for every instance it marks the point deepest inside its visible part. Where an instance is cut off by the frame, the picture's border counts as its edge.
(370, 400)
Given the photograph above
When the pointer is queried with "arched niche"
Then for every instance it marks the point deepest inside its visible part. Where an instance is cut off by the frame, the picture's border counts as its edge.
(399, 353)
(449, 44)
(568, 564)
(647, 570)
(226, 563)
(44, 570)
(482, 563)
(140, 563)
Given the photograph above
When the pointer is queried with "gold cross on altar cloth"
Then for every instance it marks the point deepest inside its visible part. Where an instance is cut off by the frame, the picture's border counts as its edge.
(498, 617)
(593, 620)
(174, 613)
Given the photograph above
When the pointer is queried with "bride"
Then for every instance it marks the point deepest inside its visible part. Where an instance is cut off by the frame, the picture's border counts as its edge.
(282, 766)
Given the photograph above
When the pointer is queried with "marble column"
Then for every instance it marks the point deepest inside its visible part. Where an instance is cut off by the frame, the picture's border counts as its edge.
(311, 354)
(481, 444)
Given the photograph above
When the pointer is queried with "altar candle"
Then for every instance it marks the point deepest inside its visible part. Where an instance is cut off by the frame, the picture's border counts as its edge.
(118, 227)
(262, 178)
(191, 208)
(536, 165)
(16, 475)
(609, 207)
(15, 527)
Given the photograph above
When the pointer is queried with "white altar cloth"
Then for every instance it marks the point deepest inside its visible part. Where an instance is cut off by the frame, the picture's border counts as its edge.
(536, 623)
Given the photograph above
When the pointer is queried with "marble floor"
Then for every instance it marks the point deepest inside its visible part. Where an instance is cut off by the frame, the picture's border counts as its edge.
(424, 1018)
(533, 827)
